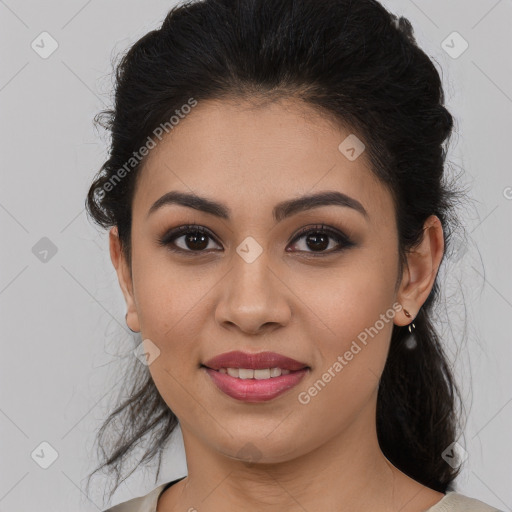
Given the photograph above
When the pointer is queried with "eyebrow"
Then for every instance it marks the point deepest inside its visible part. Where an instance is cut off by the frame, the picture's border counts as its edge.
(281, 210)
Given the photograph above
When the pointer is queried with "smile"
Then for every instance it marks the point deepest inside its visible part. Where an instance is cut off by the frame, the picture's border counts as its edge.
(254, 385)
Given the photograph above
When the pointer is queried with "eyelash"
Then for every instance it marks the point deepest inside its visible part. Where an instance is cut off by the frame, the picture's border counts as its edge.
(169, 237)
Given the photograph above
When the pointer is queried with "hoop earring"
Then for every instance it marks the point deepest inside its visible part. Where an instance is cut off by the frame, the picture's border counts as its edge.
(408, 315)
(126, 320)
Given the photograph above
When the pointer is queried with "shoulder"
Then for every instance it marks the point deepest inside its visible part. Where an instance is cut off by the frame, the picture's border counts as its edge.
(145, 503)
(455, 502)
(452, 502)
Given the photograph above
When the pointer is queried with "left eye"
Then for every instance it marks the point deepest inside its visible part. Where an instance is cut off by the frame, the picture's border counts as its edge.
(318, 238)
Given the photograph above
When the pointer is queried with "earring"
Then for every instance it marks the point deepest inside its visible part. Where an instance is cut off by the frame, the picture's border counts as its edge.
(408, 315)
(126, 320)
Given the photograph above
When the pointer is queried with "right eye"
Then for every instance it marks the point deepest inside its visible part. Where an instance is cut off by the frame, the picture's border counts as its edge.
(195, 239)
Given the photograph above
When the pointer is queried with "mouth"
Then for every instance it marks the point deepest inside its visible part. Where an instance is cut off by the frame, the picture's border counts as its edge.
(255, 374)
(254, 377)
(253, 386)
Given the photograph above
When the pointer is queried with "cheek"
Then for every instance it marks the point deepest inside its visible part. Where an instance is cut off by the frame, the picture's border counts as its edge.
(352, 325)
(169, 304)
(164, 291)
(346, 380)
(169, 307)
(349, 299)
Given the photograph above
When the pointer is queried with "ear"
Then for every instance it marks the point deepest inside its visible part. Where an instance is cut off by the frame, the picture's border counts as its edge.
(421, 270)
(125, 279)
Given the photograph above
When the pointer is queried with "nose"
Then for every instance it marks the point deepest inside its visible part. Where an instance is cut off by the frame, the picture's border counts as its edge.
(254, 297)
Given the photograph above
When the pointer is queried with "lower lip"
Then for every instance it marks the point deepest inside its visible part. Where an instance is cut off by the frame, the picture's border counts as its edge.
(255, 390)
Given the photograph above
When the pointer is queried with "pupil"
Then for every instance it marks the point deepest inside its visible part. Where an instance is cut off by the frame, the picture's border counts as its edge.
(191, 239)
(315, 238)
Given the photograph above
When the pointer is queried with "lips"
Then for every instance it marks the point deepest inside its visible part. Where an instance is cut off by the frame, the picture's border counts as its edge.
(254, 361)
(253, 390)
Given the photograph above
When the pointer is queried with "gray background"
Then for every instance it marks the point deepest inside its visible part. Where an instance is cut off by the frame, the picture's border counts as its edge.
(63, 329)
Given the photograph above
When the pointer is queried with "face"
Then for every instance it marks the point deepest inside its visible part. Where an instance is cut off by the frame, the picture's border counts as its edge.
(254, 283)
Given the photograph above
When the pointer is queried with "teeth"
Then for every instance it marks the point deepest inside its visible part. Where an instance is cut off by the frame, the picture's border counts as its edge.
(246, 373)
(232, 372)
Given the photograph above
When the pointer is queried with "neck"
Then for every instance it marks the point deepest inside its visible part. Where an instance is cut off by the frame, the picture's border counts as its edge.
(346, 472)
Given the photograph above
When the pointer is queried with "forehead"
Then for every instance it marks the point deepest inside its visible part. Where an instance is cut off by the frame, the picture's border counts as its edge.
(242, 153)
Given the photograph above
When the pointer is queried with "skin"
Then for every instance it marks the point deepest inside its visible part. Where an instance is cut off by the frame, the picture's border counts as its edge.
(320, 456)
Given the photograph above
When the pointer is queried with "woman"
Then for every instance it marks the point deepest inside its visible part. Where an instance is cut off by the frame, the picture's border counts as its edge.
(278, 215)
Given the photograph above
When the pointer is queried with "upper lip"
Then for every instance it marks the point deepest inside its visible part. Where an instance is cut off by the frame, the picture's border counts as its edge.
(258, 361)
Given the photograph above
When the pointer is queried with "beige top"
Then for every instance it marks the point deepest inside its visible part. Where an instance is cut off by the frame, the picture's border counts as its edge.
(452, 502)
